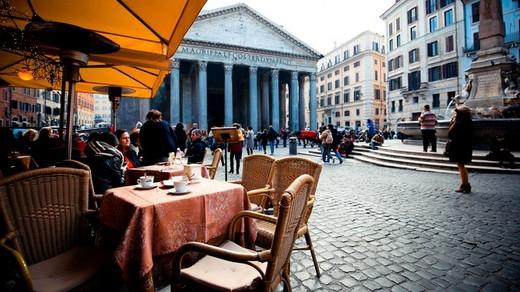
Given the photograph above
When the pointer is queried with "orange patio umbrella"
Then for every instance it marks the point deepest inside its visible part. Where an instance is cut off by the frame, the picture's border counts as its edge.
(147, 34)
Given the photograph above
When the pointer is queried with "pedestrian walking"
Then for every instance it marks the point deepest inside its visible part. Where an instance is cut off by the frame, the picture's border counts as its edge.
(428, 121)
(235, 151)
(326, 139)
(335, 143)
(271, 136)
(250, 140)
(263, 140)
(459, 146)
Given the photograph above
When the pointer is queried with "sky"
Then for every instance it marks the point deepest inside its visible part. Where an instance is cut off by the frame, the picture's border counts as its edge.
(319, 23)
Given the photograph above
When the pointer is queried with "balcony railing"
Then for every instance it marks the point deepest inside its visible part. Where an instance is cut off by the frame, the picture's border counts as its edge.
(474, 48)
(512, 38)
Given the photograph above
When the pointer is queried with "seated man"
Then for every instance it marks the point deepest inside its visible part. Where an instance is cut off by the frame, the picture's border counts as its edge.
(377, 140)
(197, 149)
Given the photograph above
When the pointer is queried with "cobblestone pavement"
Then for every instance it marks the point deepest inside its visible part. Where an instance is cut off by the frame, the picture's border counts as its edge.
(377, 228)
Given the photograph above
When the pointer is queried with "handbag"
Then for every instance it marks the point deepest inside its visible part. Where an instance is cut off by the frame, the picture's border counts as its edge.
(448, 148)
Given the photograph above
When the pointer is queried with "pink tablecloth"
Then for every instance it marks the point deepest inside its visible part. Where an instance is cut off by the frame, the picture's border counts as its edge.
(160, 172)
(155, 223)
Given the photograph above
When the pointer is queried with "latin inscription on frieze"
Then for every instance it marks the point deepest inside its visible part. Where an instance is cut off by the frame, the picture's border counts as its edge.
(234, 57)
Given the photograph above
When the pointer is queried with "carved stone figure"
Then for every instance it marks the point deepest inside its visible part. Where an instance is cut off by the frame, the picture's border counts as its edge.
(512, 83)
(464, 95)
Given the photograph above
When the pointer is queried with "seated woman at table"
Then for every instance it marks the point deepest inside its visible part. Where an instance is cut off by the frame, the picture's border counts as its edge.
(197, 148)
(131, 159)
(105, 161)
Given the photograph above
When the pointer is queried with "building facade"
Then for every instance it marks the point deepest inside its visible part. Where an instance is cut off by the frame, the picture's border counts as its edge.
(84, 115)
(102, 109)
(20, 108)
(49, 105)
(425, 40)
(234, 65)
(351, 83)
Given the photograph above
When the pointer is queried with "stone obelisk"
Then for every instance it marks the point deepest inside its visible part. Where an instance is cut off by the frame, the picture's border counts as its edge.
(491, 60)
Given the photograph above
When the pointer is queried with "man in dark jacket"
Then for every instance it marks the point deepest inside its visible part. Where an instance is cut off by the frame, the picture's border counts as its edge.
(335, 143)
(272, 135)
(157, 139)
(197, 148)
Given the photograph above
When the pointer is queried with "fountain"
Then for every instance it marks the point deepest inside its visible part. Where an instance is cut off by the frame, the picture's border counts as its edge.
(492, 90)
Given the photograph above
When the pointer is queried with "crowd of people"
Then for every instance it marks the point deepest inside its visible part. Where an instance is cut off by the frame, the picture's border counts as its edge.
(110, 154)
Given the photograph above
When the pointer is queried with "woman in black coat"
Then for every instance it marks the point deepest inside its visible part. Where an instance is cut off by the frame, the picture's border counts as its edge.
(460, 149)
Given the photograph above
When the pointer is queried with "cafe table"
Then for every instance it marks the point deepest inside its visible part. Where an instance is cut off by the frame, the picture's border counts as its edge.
(154, 223)
(159, 171)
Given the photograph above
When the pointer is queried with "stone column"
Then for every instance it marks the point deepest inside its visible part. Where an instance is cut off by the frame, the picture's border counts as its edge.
(491, 26)
(253, 98)
(265, 100)
(301, 104)
(175, 93)
(203, 95)
(313, 105)
(293, 101)
(228, 94)
(275, 100)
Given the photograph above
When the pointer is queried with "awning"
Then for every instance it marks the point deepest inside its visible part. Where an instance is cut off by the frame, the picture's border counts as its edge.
(148, 33)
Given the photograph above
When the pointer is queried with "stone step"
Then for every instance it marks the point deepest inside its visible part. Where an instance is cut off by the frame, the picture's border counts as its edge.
(413, 160)
(440, 163)
(428, 156)
(402, 165)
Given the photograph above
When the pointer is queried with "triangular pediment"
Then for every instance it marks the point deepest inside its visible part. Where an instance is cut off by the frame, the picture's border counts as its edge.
(240, 26)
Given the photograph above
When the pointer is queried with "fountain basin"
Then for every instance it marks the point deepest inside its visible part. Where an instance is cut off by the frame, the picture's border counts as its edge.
(484, 131)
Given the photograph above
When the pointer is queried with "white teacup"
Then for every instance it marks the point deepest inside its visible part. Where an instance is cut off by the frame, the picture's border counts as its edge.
(145, 181)
(180, 185)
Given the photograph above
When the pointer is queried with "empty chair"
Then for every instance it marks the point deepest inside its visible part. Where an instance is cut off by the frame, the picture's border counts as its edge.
(43, 213)
(231, 267)
(284, 171)
(255, 178)
(94, 200)
(212, 168)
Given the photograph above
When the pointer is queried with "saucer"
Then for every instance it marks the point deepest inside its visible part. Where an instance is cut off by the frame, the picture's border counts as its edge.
(138, 187)
(167, 183)
(187, 191)
(194, 181)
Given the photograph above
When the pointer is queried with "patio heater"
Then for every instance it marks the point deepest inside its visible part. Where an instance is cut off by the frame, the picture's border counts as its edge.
(73, 44)
(114, 95)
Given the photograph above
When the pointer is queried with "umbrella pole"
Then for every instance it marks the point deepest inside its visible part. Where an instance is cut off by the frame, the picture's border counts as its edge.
(70, 108)
(62, 105)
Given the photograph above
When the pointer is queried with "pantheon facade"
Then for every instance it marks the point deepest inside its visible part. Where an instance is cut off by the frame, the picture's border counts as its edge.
(235, 65)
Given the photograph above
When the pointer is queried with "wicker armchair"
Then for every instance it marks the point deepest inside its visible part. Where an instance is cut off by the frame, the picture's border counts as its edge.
(42, 213)
(94, 200)
(212, 168)
(255, 179)
(284, 171)
(231, 267)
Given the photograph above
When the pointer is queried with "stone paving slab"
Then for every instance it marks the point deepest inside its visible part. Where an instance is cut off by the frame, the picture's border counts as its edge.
(377, 228)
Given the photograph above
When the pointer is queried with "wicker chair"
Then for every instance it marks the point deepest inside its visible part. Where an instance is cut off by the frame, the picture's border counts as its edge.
(255, 179)
(94, 200)
(231, 267)
(212, 168)
(42, 213)
(284, 171)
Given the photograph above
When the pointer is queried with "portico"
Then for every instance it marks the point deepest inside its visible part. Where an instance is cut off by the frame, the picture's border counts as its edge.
(234, 66)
